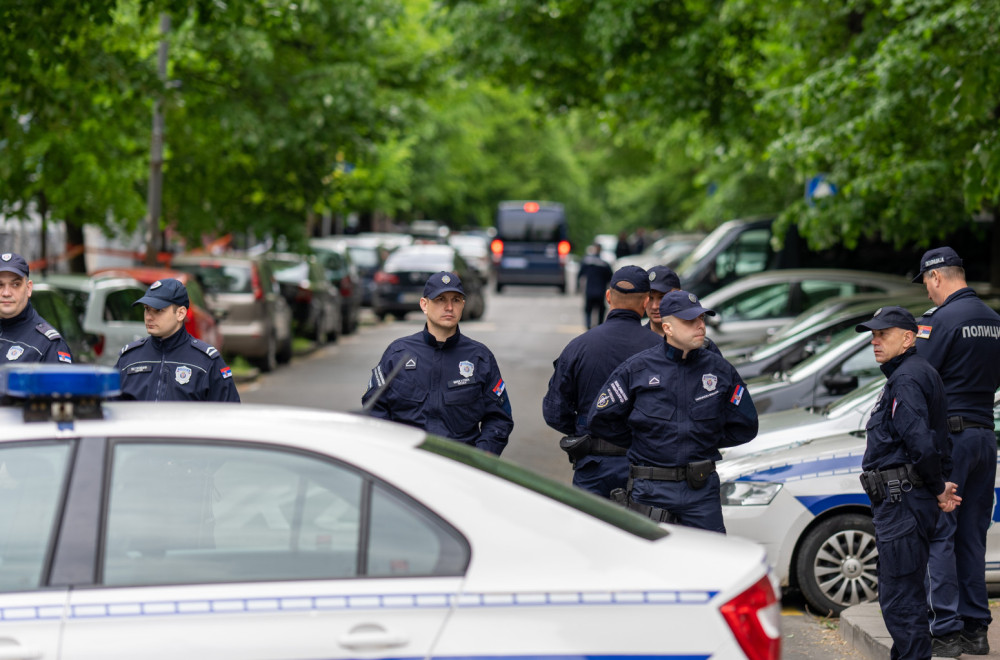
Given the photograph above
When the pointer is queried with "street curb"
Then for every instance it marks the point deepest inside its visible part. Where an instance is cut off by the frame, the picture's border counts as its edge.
(863, 629)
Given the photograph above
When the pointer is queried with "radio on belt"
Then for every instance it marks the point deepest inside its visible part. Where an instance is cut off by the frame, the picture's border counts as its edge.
(58, 392)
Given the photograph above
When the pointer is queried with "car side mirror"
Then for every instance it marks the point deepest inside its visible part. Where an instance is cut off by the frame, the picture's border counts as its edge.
(840, 383)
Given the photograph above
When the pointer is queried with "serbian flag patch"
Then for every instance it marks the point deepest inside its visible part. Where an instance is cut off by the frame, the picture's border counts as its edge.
(923, 332)
(226, 372)
(499, 387)
(65, 357)
(893, 413)
(737, 395)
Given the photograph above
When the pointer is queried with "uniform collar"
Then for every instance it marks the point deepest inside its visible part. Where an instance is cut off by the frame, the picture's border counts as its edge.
(675, 354)
(14, 320)
(964, 292)
(432, 341)
(890, 367)
(623, 313)
(175, 340)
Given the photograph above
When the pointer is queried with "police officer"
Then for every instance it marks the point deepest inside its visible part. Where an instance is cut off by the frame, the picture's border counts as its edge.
(448, 384)
(595, 274)
(905, 467)
(580, 371)
(663, 280)
(676, 404)
(961, 339)
(170, 364)
(24, 335)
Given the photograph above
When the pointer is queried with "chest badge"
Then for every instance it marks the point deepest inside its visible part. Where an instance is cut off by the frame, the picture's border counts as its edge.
(410, 364)
(466, 368)
(15, 352)
(709, 381)
(182, 375)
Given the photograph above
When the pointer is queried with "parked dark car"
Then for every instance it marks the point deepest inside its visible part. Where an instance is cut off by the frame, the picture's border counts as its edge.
(340, 269)
(400, 284)
(56, 309)
(314, 300)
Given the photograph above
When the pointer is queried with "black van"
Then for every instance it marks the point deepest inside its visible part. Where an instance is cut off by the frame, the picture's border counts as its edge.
(531, 245)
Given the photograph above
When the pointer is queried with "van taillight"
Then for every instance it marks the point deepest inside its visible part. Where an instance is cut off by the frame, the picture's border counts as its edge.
(531, 207)
(563, 248)
(754, 618)
(258, 291)
(496, 247)
(382, 277)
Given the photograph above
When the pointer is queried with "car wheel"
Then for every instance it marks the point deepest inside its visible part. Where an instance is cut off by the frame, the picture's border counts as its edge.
(380, 315)
(269, 361)
(836, 563)
(498, 287)
(285, 352)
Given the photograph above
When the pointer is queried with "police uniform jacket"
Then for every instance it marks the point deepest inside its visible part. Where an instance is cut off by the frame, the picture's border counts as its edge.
(597, 275)
(176, 368)
(27, 337)
(451, 388)
(674, 410)
(909, 422)
(584, 365)
(961, 339)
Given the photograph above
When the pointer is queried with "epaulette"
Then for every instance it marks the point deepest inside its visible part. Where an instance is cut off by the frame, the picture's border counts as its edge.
(136, 344)
(207, 349)
(50, 333)
(930, 311)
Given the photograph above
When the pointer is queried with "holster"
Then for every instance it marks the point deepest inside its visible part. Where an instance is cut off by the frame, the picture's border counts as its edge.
(698, 473)
(623, 496)
(576, 446)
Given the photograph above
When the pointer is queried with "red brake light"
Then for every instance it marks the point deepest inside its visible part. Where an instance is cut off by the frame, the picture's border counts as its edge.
(382, 277)
(258, 291)
(563, 248)
(531, 207)
(496, 247)
(754, 618)
(99, 346)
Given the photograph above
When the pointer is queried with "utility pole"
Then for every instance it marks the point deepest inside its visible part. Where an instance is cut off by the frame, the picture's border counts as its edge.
(154, 198)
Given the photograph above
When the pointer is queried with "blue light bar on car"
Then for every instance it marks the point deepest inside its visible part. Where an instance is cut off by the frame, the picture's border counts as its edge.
(59, 381)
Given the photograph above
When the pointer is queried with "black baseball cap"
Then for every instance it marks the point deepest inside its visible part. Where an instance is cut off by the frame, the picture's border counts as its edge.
(163, 293)
(11, 262)
(889, 317)
(683, 305)
(630, 279)
(663, 279)
(442, 282)
(937, 258)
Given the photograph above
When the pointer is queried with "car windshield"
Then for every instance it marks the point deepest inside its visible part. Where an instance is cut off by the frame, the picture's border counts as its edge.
(426, 261)
(577, 498)
(850, 400)
(221, 278)
(364, 257)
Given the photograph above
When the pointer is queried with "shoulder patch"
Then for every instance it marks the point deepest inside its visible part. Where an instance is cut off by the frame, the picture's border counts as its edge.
(207, 349)
(136, 344)
(50, 333)
(930, 311)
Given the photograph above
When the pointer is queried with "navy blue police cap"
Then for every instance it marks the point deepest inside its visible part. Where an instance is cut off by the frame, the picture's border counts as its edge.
(163, 293)
(11, 262)
(630, 279)
(937, 258)
(442, 282)
(889, 317)
(663, 279)
(683, 305)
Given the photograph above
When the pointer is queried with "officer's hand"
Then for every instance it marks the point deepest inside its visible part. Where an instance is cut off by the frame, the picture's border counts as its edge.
(948, 499)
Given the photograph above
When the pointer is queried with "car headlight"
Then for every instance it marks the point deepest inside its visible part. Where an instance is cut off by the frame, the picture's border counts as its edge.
(748, 493)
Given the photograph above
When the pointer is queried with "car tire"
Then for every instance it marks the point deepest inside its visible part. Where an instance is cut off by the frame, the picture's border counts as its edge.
(380, 315)
(269, 361)
(836, 565)
(498, 287)
(285, 352)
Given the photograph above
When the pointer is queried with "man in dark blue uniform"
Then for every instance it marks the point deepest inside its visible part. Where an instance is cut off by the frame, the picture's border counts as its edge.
(906, 464)
(448, 384)
(580, 371)
(674, 406)
(961, 339)
(170, 364)
(595, 274)
(24, 335)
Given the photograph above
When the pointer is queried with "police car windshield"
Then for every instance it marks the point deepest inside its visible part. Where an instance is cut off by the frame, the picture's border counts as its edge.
(577, 498)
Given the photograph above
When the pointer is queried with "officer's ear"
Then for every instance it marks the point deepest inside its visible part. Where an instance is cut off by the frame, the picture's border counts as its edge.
(423, 305)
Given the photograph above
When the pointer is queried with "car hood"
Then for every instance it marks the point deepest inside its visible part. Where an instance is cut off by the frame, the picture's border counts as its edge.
(796, 426)
(832, 454)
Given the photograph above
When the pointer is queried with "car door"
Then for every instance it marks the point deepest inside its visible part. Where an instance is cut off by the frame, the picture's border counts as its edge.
(33, 479)
(243, 552)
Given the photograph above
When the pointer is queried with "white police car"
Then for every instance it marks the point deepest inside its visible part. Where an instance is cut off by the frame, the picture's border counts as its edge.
(196, 530)
(804, 503)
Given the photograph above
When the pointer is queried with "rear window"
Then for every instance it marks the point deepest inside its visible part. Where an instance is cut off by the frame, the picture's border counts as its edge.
(543, 226)
(221, 278)
(430, 262)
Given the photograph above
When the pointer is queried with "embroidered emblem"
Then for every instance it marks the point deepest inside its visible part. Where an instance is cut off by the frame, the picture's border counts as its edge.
(894, 404)
(15, 352)
(604, 400)
(693, 298)
(654, 380)
(226, 372)
(737, 395)
(156, 285)
(499, 387)
(709, 381)
(182, 375)
(877, 312)
(466, 368)
(445, 279)
(410, 364)
(924, 331)
(64, 357)
(6, 256)
(652, 276)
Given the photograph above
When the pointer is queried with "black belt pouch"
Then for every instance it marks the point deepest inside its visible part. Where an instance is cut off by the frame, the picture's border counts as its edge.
(698, 473)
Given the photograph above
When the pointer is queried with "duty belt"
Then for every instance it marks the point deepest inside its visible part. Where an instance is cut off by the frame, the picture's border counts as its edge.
(601, 447)
(661, 473)
(958, 424)
(890, 483)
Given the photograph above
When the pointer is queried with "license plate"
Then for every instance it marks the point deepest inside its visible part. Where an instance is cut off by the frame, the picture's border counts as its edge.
(409, 297)
(514, 262)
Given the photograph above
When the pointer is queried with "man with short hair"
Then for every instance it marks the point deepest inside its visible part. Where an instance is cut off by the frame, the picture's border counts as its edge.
(595, 274)
(961, 339)
(170, 364)
(447, 383)
(674, 406)
(24, 335)
(906, 466)
(581, 369)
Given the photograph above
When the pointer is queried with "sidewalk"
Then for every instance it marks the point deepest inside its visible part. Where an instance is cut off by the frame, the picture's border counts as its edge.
(862, 628)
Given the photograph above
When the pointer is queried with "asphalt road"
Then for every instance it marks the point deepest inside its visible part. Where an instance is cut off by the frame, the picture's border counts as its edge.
(526, 328)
